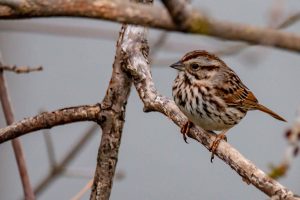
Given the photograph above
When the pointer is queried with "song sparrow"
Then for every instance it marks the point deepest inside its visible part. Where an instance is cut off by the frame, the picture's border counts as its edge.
(211, 95)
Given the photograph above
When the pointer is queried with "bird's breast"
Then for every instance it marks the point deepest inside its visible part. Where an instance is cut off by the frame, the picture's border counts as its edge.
(202, 108)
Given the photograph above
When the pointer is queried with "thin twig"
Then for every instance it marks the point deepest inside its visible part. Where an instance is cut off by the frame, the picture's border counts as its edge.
(275, 13)
(16, 143)
(60, 167)
(290, 20)
(20, 69)
(50, 148)
(80, 194)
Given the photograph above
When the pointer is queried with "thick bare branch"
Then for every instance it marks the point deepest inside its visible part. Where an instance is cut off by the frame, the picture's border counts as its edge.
(113, 109)
(135, 49)
(48, 120)
(16, 143)
(156, 17)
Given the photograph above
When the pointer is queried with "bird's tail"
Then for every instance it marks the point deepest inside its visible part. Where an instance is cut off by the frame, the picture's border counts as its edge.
(270, 112)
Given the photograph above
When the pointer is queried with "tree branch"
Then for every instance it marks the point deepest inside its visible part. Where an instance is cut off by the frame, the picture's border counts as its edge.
(16, 143)
(135, 48)
(290, 20)
(48, 120)
(153, 16)
(113, 106)
(20, 69)
(80, 194)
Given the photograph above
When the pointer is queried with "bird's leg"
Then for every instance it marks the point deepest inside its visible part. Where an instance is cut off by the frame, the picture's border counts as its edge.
(216, 143)
(185, 129)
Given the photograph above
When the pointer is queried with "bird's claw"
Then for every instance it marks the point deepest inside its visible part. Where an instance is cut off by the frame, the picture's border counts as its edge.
(215, 145)
(185, 129)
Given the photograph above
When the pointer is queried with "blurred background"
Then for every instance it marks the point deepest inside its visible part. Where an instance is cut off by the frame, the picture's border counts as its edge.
(154, 161)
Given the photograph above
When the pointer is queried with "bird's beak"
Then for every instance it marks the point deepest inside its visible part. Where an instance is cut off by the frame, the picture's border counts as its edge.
(178, 65)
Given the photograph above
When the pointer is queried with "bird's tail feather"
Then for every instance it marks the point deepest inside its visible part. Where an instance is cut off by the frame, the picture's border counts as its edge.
(270, 112)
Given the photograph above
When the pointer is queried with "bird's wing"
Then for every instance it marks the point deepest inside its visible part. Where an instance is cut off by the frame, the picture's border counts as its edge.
(241, 97)
(236, 94)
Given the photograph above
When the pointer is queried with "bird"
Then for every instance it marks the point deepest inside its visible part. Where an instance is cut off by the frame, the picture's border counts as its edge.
(212, 95)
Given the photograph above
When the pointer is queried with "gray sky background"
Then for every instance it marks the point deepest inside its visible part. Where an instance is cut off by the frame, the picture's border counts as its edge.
(156, 161)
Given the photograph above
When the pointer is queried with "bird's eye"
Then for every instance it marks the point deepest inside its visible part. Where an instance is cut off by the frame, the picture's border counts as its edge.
(195, 66)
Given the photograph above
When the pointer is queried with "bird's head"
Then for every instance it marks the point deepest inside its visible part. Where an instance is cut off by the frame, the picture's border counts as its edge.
(200, 64)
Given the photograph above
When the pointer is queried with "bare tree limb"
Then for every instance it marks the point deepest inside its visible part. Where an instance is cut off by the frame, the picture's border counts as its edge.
(48, 120)
(135, 48)
(16, 143)
(20, 69)
(156, 17)
(113, 108)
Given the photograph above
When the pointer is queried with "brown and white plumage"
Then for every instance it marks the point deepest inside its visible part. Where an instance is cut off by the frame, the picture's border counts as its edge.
(211, 94)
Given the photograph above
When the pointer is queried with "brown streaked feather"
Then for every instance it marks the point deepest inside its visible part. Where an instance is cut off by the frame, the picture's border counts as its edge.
(244, 98)
(239, 96)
